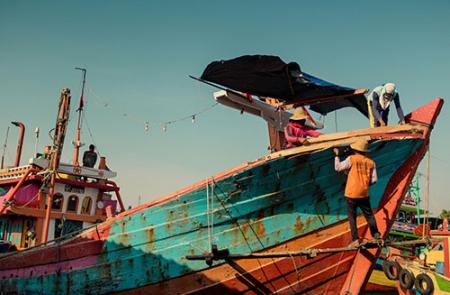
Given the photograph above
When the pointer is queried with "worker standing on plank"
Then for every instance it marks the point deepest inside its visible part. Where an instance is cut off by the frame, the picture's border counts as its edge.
(361, 174)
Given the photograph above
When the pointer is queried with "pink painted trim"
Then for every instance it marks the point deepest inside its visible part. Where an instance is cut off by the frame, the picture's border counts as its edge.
(46, 269)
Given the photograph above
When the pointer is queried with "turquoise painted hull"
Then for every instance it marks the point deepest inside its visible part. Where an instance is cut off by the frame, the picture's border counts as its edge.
(254, 209)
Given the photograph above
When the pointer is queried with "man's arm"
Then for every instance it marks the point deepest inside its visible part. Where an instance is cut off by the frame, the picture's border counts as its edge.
(374, 175)
(400, 114)
(311, 132)
(293, 139)
(341, 166)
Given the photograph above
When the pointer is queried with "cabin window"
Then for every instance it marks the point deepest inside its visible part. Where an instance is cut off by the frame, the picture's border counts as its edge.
(86, 205)
(58, 200)
(72, 204)
(4, 190)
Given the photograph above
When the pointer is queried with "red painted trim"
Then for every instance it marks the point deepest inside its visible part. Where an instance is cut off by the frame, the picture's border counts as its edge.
(65, 181)
(89, 184)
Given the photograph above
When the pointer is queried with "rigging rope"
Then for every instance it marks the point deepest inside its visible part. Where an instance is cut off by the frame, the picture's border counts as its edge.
(208, 214)
(247, 242)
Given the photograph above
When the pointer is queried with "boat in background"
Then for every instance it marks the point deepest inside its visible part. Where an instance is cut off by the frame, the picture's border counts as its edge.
(81, 196)
(427, 273)
(277, 224)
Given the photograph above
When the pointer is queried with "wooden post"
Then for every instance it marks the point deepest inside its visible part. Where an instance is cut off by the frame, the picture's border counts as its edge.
(276, 138)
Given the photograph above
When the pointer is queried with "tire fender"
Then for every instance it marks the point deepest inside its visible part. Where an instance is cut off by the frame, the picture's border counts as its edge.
(406, 279)
(391, 269)
(424, 284)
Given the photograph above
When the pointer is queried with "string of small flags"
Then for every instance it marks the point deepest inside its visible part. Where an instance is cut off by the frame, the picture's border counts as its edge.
(147, 124)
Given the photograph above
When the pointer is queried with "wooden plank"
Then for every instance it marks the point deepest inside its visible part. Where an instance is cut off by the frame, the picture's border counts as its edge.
(336, 139)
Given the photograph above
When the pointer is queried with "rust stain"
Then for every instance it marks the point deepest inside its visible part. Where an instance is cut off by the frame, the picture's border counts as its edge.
(260, 231)
(244, 228)
(123, 239)
(170, 217)
(151, 238)
(299, 226)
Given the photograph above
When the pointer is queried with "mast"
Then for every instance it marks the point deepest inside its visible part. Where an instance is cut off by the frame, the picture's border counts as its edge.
(77, 142)
(4, 148)
(58, 143)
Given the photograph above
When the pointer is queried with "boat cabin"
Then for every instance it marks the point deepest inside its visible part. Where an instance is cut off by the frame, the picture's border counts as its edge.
(82, 197)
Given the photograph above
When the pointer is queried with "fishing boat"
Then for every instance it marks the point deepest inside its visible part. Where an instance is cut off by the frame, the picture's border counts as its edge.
(81, 196)
(408, 226)
(427, 273)
(277, 224)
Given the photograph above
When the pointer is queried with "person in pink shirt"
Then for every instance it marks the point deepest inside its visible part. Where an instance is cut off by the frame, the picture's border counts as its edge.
(296, 131)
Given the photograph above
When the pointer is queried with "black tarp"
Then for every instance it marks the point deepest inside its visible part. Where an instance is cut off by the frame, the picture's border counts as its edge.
(269, 76)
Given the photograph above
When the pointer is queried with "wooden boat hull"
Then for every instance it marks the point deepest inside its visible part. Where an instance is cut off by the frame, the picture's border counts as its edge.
(283, 202)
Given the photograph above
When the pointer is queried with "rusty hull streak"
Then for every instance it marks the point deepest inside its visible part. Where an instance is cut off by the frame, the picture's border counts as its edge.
(299, 226)
(151, 239)
(260, 231)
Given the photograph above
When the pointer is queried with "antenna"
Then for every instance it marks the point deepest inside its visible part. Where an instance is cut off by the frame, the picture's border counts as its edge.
(36, 142)
(4, 148)
(77, 142)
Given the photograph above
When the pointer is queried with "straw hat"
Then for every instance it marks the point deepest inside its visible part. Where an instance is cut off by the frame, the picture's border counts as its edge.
(299, 114)
(360, 145)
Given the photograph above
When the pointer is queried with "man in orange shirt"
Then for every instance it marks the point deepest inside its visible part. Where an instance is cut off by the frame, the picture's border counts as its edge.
(361, 174)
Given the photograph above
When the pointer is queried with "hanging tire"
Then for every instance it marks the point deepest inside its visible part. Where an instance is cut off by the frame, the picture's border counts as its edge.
(406, 279)
(424, 284)
(391, 269)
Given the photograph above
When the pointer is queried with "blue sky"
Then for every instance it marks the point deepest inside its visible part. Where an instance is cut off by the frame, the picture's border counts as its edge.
(139, 55)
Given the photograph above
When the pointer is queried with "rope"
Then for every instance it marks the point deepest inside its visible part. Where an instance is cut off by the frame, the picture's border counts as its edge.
(90, 132)
(212, 210)
(208, 214)
(295, 267)
(245, 238)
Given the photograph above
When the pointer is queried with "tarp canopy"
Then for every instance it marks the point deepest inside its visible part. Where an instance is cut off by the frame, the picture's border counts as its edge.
(269, 76)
